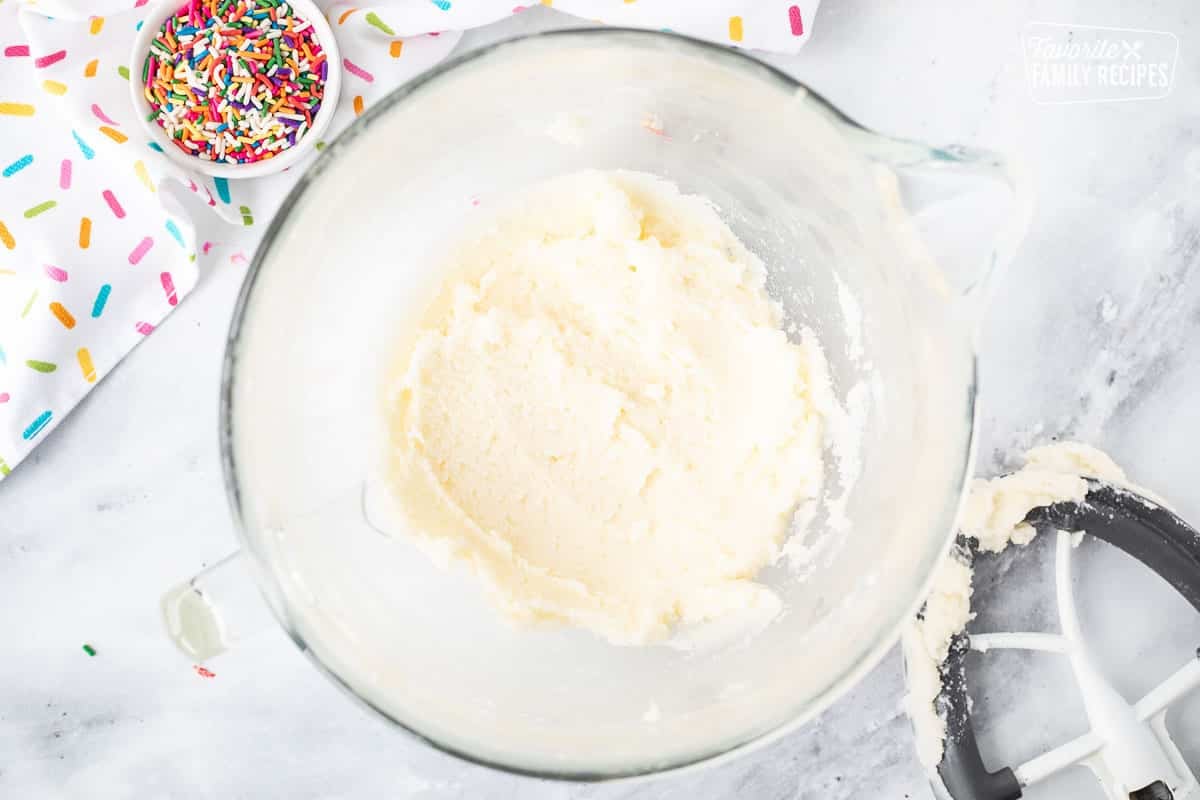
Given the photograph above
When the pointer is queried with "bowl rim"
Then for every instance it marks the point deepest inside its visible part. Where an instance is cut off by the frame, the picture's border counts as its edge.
(274, 595)
(140, 50)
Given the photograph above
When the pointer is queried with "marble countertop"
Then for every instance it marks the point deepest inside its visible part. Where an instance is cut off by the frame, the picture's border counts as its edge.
(1094, 333)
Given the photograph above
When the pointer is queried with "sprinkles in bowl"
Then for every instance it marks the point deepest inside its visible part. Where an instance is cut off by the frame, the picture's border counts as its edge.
(235, 81)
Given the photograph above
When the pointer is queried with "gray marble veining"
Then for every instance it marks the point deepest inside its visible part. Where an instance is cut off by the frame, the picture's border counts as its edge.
(1093, 332)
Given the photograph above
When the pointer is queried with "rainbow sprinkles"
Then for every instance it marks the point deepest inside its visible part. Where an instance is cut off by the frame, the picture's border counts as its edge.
(235, 81)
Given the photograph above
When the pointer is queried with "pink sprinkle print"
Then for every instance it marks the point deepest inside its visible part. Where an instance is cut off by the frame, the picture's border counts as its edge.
(16, 50)
(100, 115)
(140, 3)
(143, 247)
(4, 397)
(239, 258)
(56, 273)
(653, 124)
(111, 199)
(64, 174)
(357, 71)
(169, 288)
(41, 62)
(204, 672)
(144, 328)
(796, 21)
(206, 247)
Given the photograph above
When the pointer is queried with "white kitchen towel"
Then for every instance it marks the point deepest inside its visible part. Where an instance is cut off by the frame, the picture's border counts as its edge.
(94, 254)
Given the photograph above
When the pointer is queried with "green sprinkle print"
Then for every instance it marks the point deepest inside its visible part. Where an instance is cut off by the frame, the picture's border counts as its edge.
(375, 22)
(30, 213)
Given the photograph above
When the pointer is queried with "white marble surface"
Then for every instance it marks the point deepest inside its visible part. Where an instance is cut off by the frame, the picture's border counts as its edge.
(125, 497)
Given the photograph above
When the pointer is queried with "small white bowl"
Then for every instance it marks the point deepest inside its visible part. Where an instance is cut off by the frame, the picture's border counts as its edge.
(305, 9)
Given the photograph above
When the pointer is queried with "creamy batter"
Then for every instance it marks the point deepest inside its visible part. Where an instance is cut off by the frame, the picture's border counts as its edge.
(601, 414)
(994, 514)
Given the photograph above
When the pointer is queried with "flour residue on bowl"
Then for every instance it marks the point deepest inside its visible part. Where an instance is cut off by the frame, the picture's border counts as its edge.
(600, 413)
(845, 423)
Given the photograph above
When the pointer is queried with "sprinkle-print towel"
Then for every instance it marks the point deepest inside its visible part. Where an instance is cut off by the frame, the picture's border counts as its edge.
(95, 250)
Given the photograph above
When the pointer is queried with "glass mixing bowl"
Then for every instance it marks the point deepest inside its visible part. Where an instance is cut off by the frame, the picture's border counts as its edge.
(814, 195)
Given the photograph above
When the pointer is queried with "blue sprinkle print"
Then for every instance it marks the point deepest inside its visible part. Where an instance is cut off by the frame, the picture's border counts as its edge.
(101, 300)
(444, 5)
(173, 229)
(155, 146)
(3, 358)
(222, 189)
(36, 426)
(139, 25)
(18, 165)
(88, 152)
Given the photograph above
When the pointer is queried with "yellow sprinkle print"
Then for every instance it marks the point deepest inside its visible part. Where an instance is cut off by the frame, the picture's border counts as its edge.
(547, 2)
(113, 134)
(395, 47)
(85, 233)
(85, 365)
(358, 104)
(54, 87)
(735, 28)
(143, 175)
(6, 237)
(17, 109)
(96, 26)
(90, 70)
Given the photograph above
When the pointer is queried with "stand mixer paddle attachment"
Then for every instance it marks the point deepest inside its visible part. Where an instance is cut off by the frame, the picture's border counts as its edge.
(1128, 747)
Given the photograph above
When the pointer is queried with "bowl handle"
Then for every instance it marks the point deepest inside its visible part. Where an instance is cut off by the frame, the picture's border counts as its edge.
(218, 607)
(967, 209)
